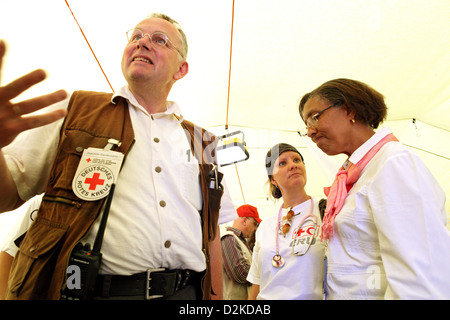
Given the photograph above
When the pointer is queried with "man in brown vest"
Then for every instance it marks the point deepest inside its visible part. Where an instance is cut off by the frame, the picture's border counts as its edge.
(160, 239)
(237, 253)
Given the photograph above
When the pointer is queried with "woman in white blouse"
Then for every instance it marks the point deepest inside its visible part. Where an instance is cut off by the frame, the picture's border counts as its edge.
(385, 218)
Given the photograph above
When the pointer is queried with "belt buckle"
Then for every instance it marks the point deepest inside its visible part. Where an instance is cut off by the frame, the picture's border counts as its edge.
(148, 287)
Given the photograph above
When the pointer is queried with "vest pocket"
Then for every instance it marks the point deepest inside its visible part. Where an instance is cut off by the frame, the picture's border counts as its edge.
(214, 196)
(73, 143)
(36, 257)
(214, 205)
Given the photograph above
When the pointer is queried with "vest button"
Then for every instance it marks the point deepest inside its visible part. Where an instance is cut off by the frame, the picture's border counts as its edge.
(162, 203)
(167, 244)
(158, 169)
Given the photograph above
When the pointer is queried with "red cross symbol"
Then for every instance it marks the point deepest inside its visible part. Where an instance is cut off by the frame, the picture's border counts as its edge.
(94, 181)
(305, 230)
(300, 231)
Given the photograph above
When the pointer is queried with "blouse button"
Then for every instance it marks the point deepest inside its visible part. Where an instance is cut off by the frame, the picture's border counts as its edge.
(156, 140)
(162, 203)
(167, 244)
(158, 169)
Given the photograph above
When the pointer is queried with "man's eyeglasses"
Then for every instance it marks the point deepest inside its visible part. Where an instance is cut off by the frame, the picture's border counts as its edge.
(255, 223)
(313, 121)
(157, 39)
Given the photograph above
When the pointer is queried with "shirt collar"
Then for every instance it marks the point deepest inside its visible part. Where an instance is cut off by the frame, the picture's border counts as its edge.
(172, 108)
(236, 232)
(359, 153)
(298, 208)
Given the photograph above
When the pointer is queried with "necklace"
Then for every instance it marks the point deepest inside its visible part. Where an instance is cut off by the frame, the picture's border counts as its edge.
(278, 260)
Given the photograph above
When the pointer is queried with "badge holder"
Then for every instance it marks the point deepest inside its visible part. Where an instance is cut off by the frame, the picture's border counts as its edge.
(97, 171)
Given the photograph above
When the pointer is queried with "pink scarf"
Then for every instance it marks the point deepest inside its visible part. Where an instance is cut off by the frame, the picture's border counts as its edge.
(342, 184)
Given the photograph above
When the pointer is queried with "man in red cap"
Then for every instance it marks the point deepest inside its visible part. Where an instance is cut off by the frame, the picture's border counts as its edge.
(237, 253)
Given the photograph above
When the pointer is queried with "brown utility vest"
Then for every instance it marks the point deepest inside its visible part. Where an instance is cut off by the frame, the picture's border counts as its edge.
(40, 266)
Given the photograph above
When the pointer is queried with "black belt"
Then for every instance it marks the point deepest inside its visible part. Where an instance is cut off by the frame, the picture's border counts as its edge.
(155, 283)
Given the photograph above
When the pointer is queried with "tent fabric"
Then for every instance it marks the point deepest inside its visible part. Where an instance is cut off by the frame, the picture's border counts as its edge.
(281, 50)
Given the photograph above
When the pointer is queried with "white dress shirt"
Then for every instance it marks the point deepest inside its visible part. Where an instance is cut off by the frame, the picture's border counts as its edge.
(154, 218)
(391, 240)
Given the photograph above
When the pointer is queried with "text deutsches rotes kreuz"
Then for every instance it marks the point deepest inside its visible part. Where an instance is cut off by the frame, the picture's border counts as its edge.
(97, 171)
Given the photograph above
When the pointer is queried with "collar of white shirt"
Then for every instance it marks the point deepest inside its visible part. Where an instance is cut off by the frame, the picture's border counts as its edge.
(172, 107)
(359, 153)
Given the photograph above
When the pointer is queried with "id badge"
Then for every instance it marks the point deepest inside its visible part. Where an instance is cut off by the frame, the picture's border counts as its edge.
(97, 171)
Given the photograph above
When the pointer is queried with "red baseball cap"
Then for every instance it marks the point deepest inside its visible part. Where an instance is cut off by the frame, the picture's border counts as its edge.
(247, 210)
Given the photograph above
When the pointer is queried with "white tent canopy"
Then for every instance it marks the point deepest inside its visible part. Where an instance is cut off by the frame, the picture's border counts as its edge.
(280, 50)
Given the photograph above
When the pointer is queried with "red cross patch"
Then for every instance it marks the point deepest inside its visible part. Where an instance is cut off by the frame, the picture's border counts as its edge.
(97, 171)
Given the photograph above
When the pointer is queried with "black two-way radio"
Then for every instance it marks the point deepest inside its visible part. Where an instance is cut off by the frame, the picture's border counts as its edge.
(84, 263)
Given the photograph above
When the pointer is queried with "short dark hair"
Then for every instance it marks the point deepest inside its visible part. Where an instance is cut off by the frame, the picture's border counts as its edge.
(367, 103)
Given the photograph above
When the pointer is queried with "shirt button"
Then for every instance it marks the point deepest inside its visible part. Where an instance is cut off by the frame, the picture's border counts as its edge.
(158, 169)
(167, 244)
(79, 149)
(156, 140)
(162, 203)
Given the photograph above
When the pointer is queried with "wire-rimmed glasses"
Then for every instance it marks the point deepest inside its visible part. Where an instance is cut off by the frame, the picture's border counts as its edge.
(313, 121)
(157, 39)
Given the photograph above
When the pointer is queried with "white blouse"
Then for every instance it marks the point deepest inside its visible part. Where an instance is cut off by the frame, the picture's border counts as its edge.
(391, 240)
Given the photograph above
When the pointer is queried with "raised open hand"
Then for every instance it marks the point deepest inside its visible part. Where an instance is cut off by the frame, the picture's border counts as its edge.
(12, 119)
